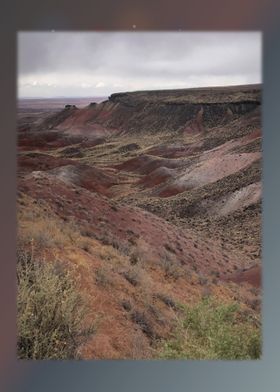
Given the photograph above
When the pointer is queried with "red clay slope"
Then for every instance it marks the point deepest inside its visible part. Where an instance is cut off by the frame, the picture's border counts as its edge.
(157, 238)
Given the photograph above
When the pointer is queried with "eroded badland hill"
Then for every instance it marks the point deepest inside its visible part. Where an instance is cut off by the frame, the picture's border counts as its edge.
(153, 200)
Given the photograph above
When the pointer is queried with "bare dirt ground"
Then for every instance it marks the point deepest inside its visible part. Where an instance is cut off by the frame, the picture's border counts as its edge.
(154, 197)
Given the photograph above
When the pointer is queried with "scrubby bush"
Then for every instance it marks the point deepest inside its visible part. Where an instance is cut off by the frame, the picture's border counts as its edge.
(51, 312)
(133, 276)
(167, 300)
(102, 277)
(211, 330)
(171, 268)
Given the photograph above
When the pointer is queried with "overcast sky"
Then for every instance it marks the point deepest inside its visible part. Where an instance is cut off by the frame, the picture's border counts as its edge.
(74, 64)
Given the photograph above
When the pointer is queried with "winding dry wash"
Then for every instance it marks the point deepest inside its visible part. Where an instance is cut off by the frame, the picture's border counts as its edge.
(150, 201)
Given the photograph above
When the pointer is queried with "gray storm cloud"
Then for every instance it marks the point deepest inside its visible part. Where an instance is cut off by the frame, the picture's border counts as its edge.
(54, 64)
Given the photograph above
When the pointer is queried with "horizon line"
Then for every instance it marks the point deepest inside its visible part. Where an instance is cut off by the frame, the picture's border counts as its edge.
(134, 91)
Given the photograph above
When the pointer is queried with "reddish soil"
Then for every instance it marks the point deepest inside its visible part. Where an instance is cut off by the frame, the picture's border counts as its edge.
(93, 179)
(146, 164)
(123, 223)
(37, 161)
(156, 177)
(45, 141)
(251, 276)
(154, 197)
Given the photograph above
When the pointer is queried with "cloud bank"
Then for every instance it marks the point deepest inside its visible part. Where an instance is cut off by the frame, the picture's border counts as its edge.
(77, 64)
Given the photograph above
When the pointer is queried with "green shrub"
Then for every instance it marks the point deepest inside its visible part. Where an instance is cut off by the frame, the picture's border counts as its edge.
(211, 330)
(50, 311)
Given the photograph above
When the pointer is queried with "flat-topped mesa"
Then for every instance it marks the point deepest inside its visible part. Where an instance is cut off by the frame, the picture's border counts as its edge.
(199, 95)
(159, 111)
(188, 110)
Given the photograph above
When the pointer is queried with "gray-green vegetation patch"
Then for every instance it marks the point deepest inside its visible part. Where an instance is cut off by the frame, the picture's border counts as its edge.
(51, 311)
(213, 330)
